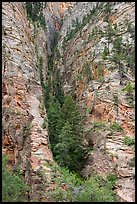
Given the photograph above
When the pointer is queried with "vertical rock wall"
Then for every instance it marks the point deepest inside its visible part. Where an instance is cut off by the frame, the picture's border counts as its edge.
(24, 139)
(95, 82)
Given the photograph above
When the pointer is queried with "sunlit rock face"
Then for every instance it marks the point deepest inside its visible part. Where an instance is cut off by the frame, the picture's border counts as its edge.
(95, 82)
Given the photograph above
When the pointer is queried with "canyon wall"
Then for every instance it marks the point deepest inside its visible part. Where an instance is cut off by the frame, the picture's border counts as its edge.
(25, 140)
(90, 73)
(87, 72)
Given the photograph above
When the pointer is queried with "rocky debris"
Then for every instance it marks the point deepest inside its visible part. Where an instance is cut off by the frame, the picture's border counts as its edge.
(125, 189)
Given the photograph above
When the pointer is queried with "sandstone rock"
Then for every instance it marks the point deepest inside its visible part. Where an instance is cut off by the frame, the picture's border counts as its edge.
(22, 91)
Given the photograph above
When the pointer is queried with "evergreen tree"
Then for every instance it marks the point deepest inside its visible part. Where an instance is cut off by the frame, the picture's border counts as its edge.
(29, 8)
(34, 12)
(65, 132)
(69, 151)
(110, 33)
(47, 92)
(54, 126)
(41, 71)
(58, 90)
(87, 71)
(130, 57)
(105, 53)
(107, 11)
(118, 56)
(71, 114)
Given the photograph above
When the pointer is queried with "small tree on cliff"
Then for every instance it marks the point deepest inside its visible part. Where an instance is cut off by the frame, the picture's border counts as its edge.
(107, 11)
(118, 56)
(110, 33)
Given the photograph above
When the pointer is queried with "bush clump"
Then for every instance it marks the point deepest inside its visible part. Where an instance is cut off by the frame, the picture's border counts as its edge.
(129, 141)
(116, 127)
(94, 189)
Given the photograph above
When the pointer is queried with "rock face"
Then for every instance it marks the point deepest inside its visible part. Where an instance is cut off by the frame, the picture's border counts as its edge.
(95, 80)
(54, 13)
(24, 139)
(87, 71)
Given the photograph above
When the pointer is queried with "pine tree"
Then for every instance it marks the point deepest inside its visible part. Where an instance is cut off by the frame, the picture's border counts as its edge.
(41, 70)
(53, 113)
(110, 33)
(107, 11)
(118, 56)
(47, 92)
(69, 151)
(65, 132)
(71, 113)
(58, 89)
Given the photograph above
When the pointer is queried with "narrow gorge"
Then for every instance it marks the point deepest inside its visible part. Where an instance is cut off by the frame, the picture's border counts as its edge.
(68, 101)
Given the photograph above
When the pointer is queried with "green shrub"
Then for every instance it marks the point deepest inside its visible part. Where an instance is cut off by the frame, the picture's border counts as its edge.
(131, 102)
(101, 79)
(98, 124)
(116, 127)
(94, 189)
(112, 178)
(128, 88)
(129, 141)
(87, 71)
(13, 185)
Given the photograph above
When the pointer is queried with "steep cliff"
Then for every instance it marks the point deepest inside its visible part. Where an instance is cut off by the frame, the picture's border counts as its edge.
(98, 74)
(24, 139)
(95, 55)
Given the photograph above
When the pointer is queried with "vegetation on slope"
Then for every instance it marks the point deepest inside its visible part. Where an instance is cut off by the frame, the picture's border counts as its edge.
(72, 188)
(35, 12)
(14, 188)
